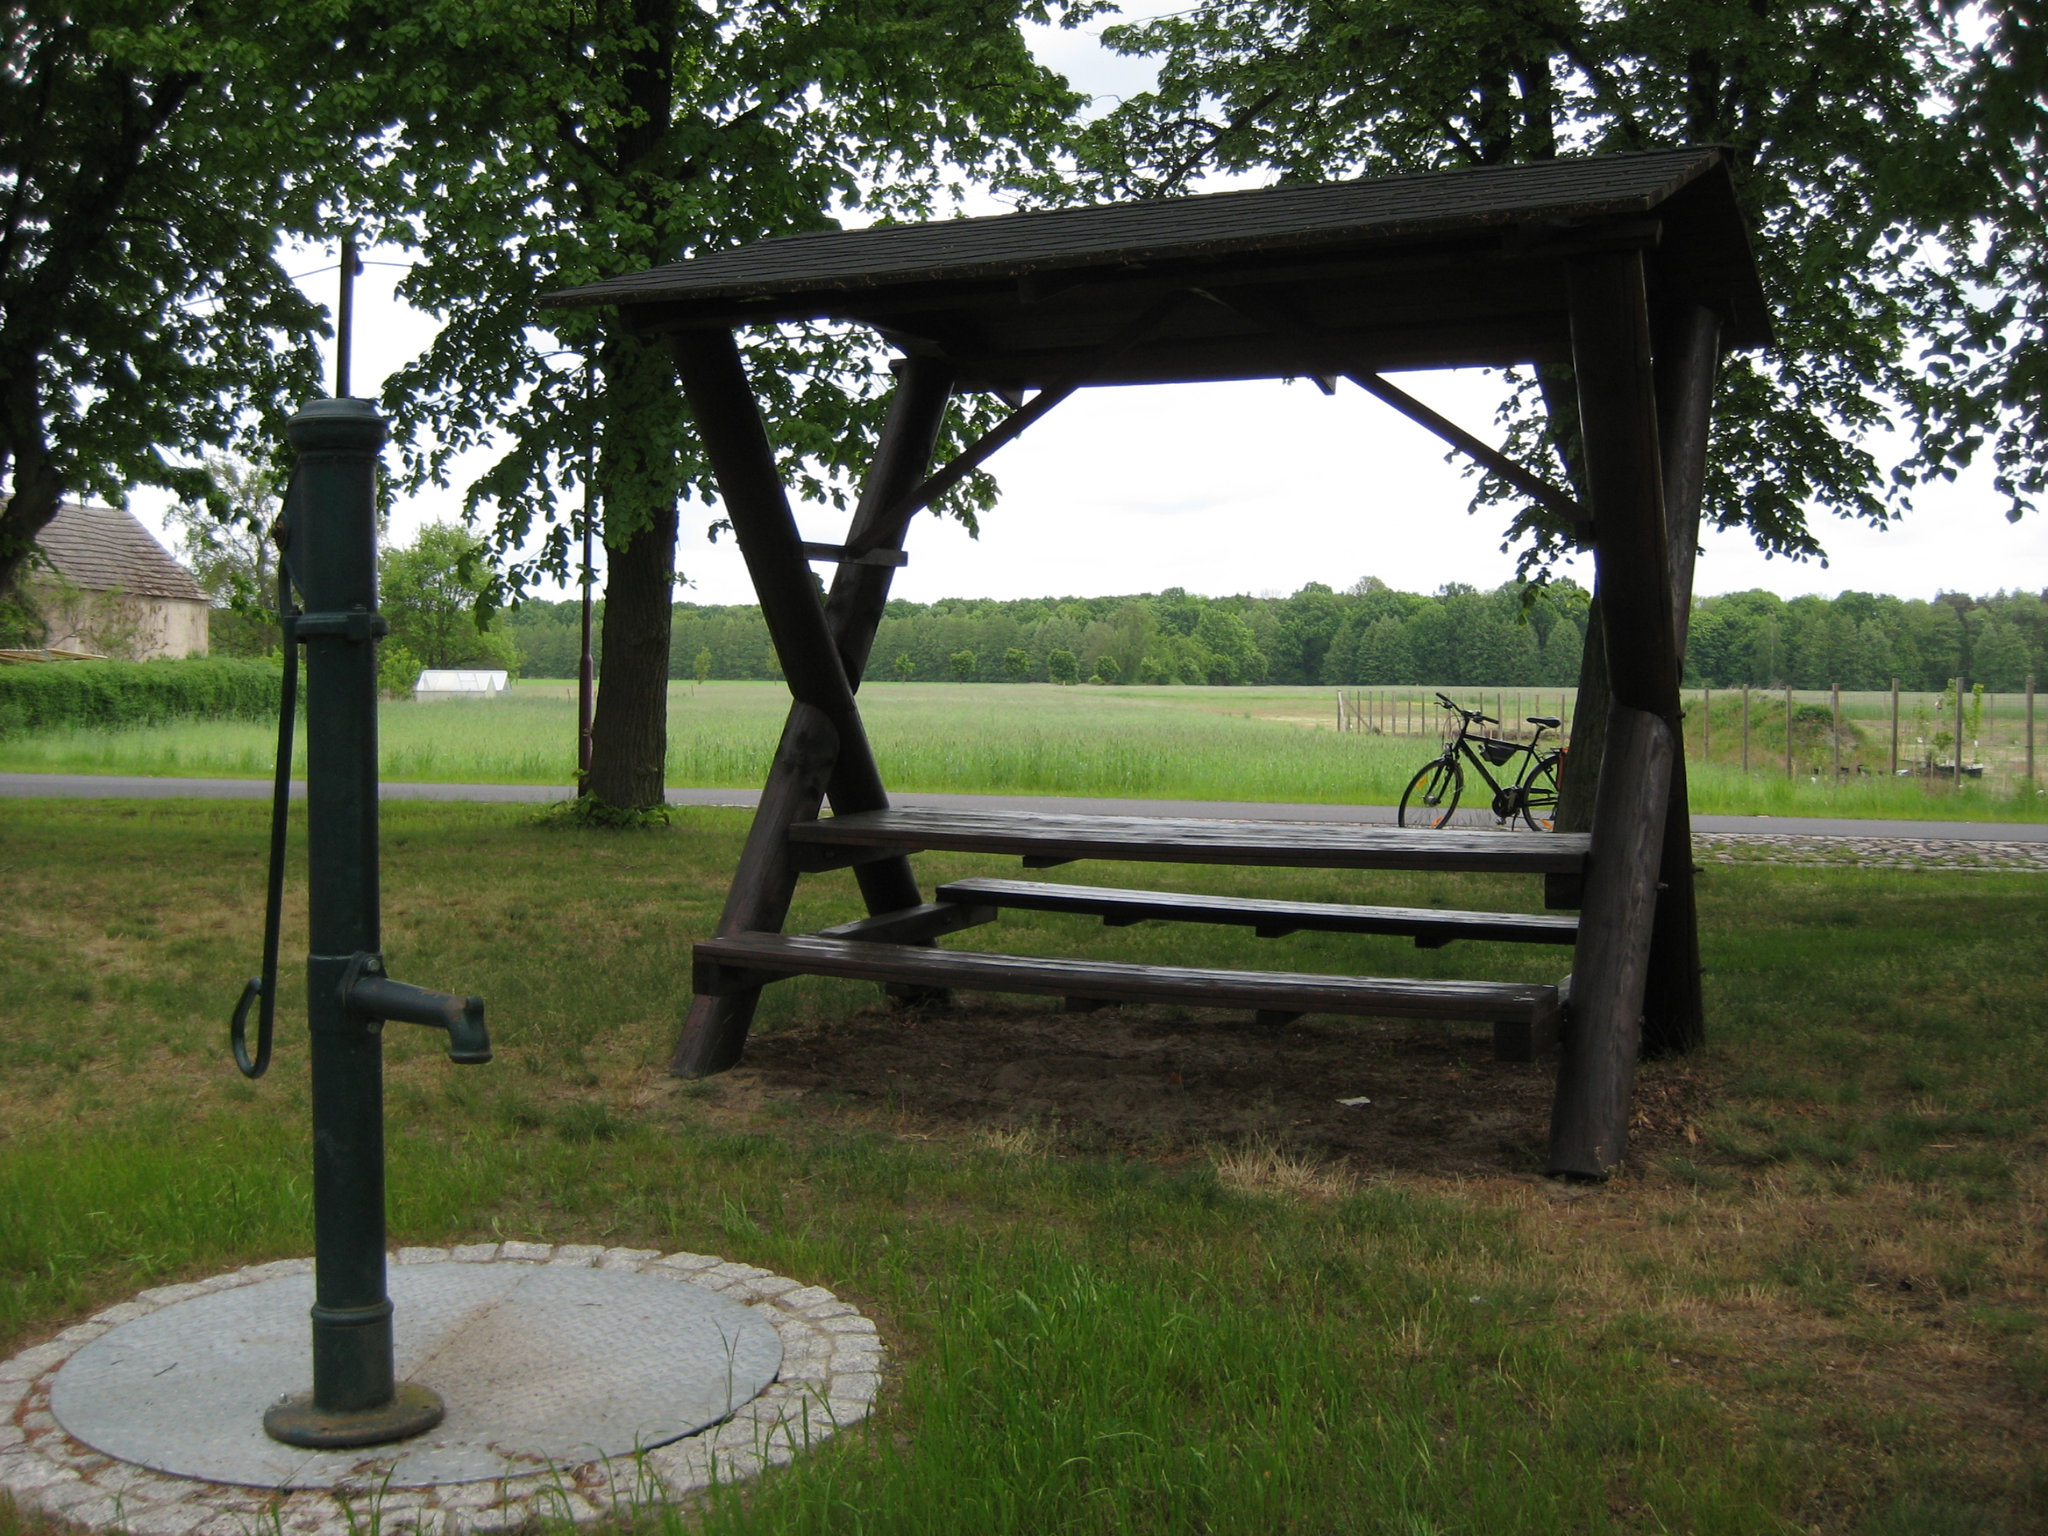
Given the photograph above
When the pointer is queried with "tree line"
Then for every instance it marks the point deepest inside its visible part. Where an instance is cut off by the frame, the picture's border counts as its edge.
(159, 158)
(1367, 636)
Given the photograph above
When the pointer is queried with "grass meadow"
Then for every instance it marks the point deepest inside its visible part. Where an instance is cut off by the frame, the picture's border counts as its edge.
(1816, 1301)
(1258, 744)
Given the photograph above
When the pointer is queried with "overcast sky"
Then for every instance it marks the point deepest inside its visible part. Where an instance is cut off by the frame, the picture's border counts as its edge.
(1256, 487)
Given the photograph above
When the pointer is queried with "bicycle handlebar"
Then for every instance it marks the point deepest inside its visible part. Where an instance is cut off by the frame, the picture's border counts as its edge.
(1472, 715)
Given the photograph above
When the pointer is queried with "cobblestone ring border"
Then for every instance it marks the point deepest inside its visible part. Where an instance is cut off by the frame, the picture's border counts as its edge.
(831, 1372)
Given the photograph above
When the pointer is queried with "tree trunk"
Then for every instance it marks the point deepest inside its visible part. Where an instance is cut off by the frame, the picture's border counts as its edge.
(629, 731)
(37, 489)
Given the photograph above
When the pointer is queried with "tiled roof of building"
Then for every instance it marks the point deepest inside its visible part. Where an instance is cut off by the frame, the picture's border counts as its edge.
(103, 549)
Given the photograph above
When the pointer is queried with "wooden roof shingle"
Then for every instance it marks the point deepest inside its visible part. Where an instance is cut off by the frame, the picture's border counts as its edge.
(103, 549)
(1436, 269)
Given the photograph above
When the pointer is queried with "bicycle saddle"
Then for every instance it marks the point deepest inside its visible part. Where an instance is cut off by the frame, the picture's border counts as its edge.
(1548, 722)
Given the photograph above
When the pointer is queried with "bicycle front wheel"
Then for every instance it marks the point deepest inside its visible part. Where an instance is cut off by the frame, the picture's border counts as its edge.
(1539, 797)
(1432, 794)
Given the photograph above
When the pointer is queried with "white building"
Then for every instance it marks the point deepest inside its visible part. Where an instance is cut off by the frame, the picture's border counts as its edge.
(462, 684)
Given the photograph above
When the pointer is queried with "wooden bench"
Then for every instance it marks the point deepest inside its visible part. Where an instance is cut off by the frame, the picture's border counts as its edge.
(1524, 1015)
(1430, 927)
(1044, 839)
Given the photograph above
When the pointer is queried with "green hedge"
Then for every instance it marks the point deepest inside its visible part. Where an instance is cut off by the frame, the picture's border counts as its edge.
(129, 693)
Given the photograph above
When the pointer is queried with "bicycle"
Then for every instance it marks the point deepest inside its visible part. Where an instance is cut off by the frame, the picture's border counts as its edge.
(1531, 793)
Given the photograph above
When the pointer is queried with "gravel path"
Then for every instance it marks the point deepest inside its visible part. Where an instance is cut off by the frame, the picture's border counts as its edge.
(1871, 852)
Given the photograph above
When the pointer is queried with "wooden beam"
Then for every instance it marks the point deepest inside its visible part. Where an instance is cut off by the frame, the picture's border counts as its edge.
(1430, 927)
(715, 1029)
(1527, 481)
(1596, 1077)
(840, 554)
(1688, 358)
(824, 749)
(913, 925)
(1624, 475)
(1283, 321)
(1014, 425)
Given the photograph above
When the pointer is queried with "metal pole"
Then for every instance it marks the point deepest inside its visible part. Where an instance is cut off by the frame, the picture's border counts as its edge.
(586, 670)
(332, 555)
(2030, 730)
(345, 315)
(1745, 728)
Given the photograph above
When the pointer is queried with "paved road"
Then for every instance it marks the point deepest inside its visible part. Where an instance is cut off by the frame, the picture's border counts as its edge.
(109, 786)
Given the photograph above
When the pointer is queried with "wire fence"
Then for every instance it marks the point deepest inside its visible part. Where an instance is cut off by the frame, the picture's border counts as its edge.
(1962, 734)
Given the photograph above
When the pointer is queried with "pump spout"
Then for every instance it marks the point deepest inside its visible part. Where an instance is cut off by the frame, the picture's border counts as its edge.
(379, 997)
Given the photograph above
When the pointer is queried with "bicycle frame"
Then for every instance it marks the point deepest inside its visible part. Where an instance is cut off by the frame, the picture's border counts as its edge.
(1509, 795)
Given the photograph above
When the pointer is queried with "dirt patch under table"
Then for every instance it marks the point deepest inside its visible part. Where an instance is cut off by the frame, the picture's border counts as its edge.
(1162, 1081)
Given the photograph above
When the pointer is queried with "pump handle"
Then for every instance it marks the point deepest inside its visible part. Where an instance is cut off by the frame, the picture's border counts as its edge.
(262, 990)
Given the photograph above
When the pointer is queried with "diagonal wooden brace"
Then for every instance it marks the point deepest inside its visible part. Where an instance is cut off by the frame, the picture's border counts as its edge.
(824, 749)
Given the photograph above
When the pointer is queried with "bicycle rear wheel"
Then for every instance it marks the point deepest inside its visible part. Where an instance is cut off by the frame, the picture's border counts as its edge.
(1539, 796)
(1432, 794)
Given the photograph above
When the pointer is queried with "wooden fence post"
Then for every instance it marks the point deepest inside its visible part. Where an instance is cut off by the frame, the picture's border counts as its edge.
(1835, 698)
(1959, 730)
(1895, 729)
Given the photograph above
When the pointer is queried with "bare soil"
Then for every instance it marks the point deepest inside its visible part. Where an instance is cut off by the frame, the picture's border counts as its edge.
(1163, 1082)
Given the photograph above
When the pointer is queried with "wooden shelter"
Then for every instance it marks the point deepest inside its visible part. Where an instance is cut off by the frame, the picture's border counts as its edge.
(1634, 270)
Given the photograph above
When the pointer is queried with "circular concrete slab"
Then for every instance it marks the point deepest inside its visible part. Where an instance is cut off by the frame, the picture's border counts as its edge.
(561, 1368)
(540, 1366)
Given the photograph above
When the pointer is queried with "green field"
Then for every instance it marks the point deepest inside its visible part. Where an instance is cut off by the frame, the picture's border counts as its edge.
(1817, 1300)
(1259, 744)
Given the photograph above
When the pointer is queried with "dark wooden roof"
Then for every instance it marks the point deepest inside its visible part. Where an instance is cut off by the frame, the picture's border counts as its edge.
(103, 549)
(1435, 270)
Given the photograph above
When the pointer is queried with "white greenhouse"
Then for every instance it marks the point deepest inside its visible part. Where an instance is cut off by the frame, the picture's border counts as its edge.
(462, 684)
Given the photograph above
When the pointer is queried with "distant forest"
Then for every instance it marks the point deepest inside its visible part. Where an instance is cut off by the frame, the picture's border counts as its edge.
(1369, 635)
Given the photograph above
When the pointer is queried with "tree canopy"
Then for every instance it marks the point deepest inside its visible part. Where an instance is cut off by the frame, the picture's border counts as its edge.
(1848, 121)
(151, 157)
(540, 144)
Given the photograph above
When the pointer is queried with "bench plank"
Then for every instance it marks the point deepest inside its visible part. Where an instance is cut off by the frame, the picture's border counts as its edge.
(1431, 927)
(744, 960)
(1043, 839)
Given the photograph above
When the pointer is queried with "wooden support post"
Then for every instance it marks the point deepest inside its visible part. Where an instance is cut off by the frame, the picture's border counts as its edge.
(1589, 1118)
(1618, 410)
(1893, 771)
(1959, 731)
(1688, 358)
(1835, 700)
(824, 748)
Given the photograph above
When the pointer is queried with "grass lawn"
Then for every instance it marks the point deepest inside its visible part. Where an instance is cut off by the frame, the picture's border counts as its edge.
(1123, 1288)
(1270, 744)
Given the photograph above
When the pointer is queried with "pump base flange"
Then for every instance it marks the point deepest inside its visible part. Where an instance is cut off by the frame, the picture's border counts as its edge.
(413, 1410)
